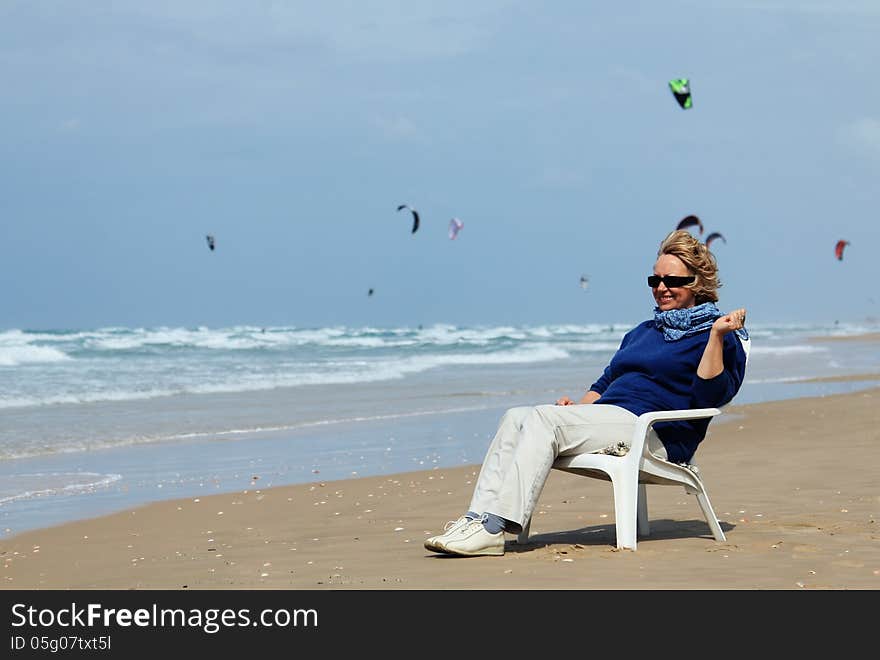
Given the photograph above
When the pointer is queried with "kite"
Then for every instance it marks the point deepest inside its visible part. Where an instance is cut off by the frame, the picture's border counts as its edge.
(585, 282)
(838, 249)
(455, 226)
(681, 89)
(210, 240)
(414, 214)
(690, 221)
(370, 292)
(711, 237)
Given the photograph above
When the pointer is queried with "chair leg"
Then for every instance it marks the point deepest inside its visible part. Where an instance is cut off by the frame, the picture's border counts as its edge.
(710, 516)
(644, 525)
(626, 504)
(523, 536)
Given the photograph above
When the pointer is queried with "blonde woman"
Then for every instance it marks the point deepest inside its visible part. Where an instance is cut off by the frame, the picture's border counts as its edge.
(686, 356)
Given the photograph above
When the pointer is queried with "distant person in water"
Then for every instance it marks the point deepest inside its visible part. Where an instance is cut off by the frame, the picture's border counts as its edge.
(687, 356)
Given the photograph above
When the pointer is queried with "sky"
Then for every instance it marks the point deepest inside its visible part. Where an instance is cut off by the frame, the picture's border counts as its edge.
(291, 131)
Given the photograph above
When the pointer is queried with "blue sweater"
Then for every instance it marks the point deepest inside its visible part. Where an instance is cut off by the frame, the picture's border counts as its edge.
(648, 373)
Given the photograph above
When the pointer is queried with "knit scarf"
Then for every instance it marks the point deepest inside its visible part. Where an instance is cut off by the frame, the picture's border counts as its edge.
(679, 323)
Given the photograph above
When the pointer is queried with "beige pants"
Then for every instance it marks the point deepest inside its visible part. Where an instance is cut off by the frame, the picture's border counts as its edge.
(527, 442)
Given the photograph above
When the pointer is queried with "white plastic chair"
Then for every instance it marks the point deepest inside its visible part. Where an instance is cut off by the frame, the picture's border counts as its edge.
(631, 472)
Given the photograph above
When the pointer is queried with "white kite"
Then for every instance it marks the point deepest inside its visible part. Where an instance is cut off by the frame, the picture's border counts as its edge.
(455, 226)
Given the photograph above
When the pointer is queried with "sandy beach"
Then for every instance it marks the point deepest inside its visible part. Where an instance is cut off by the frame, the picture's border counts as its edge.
(794, 484)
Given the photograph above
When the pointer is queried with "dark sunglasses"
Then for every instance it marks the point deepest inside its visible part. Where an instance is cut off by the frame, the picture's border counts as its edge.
(670, 280)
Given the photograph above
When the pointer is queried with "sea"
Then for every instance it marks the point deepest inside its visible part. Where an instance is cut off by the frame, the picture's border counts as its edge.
(94, 421)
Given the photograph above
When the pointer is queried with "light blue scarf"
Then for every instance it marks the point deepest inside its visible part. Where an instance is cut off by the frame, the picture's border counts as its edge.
(679, 323)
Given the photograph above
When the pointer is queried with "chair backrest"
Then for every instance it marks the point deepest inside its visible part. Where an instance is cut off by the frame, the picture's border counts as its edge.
(646, 421)
(747, 346)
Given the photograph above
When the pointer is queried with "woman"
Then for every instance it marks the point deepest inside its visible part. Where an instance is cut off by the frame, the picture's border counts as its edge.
(687, 356)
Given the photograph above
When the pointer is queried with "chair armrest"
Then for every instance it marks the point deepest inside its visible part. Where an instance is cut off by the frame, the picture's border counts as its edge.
(676, 415)
(644, 422)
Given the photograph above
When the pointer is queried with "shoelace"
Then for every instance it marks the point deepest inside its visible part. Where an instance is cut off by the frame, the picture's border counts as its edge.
(476, 521)
(451, 524)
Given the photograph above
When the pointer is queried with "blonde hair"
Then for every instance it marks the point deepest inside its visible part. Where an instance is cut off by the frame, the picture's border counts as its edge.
(699, 261)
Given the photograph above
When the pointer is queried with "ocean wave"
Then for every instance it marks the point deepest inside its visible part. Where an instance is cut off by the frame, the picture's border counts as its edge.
(144, 384)
(114, 364)
(759, 349)
(12, 356)
(29, 486)
(243, 338)
(777, 379)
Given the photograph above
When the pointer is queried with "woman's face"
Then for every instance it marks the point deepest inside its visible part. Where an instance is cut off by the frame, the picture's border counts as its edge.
(677, 297)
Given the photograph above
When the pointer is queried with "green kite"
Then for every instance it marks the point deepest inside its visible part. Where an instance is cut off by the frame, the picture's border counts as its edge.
(681, 89)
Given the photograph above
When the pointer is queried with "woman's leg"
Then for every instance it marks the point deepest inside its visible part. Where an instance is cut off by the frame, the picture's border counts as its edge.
(498, 457)
(522, 453)
(496, 461)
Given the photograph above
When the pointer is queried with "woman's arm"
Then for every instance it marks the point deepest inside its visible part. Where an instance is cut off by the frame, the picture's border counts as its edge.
(712, 362)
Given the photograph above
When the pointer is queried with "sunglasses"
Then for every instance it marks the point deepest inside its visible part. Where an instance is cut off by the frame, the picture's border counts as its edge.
(670, 280)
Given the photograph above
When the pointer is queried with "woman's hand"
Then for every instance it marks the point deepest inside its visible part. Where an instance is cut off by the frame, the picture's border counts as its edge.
(712, 361)
(589, 397)
(729, 322)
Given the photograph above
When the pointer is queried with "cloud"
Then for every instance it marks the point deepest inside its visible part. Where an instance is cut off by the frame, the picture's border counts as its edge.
(397, 128)
(863, 134)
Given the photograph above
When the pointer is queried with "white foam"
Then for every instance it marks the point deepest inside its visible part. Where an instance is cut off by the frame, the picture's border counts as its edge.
(29, 486)
(759, 349)
(11, 356)
(130, 364)
(130, 381)
(776, 379)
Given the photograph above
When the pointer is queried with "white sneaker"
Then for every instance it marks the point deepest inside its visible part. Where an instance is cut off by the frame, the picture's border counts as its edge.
(448, 528)
(472, 540)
